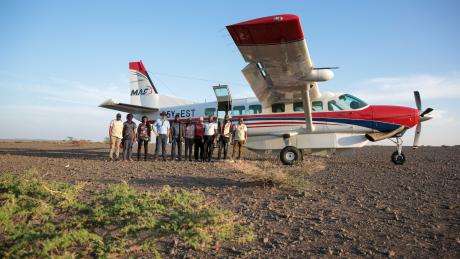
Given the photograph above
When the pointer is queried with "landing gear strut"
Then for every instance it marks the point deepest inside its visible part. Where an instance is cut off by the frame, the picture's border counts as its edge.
(398, 158)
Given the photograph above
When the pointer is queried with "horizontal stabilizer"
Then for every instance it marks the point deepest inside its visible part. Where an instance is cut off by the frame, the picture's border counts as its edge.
(124, 107)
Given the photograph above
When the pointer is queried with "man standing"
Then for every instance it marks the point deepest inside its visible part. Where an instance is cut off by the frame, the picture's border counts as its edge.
(225, 134)
(199, 139)
(210, 138)
(144, 132)
(129, 134)
(240, 135)
(189, 139)
(162, 131)
(115, 134)
(176, 138)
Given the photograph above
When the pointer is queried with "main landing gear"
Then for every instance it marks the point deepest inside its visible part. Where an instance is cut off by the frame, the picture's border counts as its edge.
(290, 155)
(398, 158)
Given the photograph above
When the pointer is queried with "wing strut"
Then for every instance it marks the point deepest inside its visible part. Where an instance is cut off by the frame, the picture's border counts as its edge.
(307, 108)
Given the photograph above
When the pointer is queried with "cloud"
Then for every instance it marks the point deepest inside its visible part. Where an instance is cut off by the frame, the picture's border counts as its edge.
(393, 90)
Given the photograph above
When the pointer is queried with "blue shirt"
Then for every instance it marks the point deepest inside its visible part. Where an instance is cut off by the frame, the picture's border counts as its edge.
(162, 126)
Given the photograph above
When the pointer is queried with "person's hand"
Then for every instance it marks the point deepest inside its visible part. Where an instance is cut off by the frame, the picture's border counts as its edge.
(244, 142)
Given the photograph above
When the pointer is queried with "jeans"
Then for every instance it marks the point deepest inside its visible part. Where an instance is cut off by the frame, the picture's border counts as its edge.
(188, 148)
(139, 147)
(238, 145)
(162, 140)
(223, 147)
(208, 147)
(176, 142)
(199, 148)
(127, 148)
(114, 147)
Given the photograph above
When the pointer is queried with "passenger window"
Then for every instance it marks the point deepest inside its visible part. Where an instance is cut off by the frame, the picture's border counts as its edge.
(255, 109)
(239, 110)
(277, 107)
(209, 111)
(333, 106)
(298, 106)
(317, 106)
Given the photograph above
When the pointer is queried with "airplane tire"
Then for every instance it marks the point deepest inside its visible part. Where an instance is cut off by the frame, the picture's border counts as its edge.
(398, 159)
(290, 155)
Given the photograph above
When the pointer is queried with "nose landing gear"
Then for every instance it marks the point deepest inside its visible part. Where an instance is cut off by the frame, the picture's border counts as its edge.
(398, 158)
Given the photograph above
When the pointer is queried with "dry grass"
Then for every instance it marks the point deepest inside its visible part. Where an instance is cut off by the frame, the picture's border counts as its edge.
(273, 174)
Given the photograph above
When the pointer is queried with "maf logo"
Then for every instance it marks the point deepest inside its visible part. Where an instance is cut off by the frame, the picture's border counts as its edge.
(145, 91)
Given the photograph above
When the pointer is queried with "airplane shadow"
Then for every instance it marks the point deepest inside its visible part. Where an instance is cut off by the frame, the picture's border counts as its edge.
(197, 182)
(77, 153)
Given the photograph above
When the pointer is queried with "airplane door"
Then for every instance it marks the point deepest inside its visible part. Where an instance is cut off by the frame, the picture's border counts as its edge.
(224, 100)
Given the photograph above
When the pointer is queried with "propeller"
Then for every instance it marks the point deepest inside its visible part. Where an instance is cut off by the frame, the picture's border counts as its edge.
(422, 117)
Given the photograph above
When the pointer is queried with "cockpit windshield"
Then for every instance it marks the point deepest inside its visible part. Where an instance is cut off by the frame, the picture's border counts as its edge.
(346, 102)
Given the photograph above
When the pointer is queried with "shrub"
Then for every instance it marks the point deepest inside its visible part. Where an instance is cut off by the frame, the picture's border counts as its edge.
(41, 219)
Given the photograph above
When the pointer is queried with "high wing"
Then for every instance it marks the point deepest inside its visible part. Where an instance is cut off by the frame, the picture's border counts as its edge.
(124, 107)
(279, 66)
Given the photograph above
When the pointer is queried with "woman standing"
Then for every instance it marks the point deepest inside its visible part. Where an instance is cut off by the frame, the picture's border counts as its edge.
(189, 139)
(144, 131)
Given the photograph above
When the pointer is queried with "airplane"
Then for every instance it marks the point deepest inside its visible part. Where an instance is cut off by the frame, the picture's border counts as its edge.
(289, 114)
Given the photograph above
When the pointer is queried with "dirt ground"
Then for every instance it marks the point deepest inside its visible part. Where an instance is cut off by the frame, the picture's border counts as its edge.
(357, 204)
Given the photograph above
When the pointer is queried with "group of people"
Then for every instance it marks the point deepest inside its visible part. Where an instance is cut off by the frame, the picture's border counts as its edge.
(199, 137)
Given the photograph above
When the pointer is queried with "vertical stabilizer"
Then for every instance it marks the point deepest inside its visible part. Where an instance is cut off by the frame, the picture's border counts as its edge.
(142, 90)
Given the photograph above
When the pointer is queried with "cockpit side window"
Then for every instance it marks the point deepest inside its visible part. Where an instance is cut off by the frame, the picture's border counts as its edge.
(352, 102)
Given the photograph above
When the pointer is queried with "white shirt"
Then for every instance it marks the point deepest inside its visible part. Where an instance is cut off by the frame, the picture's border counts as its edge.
(162, 126)
(240, 130)
(117, 128)
(211, 129)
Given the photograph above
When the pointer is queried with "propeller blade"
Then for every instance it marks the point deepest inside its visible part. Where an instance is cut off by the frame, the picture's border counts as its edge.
(417, 135)
(418, 101)
(428, 110)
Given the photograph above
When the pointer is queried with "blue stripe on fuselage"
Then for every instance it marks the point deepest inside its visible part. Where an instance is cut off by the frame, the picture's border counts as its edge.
(377, 125)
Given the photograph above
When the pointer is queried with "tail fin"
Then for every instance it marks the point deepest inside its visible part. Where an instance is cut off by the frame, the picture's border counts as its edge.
(143, 92)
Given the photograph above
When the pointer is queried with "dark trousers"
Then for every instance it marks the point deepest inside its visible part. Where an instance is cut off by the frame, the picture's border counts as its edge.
(176, 143)
(188, 148)
(127, 148)
(141, 142)
(162, 140)
(223, 147)
(208, 147)
(199, 148)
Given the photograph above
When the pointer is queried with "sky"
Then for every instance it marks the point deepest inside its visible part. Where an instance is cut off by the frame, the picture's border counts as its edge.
(60, 59)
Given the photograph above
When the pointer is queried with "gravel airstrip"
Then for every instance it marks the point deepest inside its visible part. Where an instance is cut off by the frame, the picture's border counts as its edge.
(354, 204)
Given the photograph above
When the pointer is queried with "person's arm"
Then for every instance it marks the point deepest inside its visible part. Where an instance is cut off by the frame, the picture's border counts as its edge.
(154, 128)
(110, 129)
(245, 134)
(168, 129)
(216, 131)
(149, 131)
(182, 132)
(135, 132)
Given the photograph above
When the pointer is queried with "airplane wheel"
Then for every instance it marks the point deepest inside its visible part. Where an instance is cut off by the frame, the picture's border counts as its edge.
(398, 159)
(289, 155)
